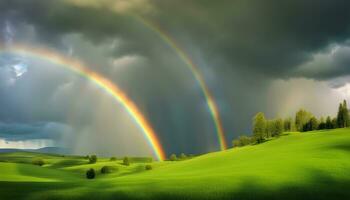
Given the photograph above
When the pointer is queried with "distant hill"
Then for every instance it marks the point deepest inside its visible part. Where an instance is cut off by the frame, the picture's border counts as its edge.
(52, 150)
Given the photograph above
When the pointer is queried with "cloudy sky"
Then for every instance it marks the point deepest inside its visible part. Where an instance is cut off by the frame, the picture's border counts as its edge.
(271, 56)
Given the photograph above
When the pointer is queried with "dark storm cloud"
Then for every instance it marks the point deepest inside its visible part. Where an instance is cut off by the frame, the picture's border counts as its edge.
(39, 130)
(331, 64)
(270, 37)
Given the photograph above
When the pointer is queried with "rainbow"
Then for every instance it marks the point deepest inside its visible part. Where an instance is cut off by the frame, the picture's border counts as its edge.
(105, 84)
(196, 73)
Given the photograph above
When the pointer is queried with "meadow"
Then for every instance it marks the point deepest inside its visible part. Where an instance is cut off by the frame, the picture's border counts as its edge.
(309, 165)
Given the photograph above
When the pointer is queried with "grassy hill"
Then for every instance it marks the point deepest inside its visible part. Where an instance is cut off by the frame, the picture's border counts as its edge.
(311, 165)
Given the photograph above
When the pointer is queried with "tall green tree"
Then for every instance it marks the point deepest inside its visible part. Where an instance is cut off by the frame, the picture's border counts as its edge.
(322, 124)
(329, 124)
(340, 116)
(269, 128)
(335, 123)
(302, 117)
(288, 124)
(313, 124)
(346, 117)
(278, 127)
(259, 127)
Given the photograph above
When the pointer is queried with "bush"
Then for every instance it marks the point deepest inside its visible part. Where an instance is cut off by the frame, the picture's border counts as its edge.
(148, 167)
(107, 169)
(92, 159)
(173, 157)
(38, 161)
(183, 156)
(126, 161)
(90, 174)
(242, 141)
(113, 159)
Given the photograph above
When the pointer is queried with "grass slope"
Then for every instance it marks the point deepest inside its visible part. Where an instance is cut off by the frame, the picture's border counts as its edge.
(312, 165)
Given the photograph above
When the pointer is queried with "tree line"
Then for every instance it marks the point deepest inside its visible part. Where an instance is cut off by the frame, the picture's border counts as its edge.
(264, 128)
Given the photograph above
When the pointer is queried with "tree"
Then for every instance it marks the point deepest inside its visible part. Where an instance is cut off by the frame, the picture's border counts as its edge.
(236, 143)
(346, 116)
(329, 124)
(183, 156)
(302, 117)
(322, 124)
(148, 167)
(269, 128)
(126, 161)
(313, 124)
(113, 159)
(242, 141)
(107, 169)
(259, 127)
(90, 174)
(92, 159)
(340, 117)
(335, 123)
(173, 157)
(288, 124)
(278, 127)
(38, 161)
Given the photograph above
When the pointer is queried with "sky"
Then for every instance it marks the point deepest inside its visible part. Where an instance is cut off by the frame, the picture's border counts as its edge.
(271, 56)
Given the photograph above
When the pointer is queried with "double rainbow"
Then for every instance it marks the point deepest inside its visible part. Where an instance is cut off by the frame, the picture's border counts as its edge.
(213, 108)
(105, 84)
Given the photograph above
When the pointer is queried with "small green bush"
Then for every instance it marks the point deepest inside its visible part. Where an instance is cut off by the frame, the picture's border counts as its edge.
(113, 159)
(173, 157)
(243, 141)
(90, 174)
(92, 159)
(148, 167)
(38, 161)
(107, 169)
(126, 161)
(183, 156)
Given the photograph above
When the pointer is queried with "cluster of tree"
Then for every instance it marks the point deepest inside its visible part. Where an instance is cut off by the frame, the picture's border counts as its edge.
(264, 128)
(304, 121)
(182, 156)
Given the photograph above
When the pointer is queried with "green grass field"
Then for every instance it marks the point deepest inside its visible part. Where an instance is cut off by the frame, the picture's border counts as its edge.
(311, 165)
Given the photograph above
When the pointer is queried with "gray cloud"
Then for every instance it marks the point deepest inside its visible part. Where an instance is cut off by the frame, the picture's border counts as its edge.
(40, 130)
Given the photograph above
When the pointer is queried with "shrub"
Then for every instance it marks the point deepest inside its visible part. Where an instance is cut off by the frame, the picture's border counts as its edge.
(93, 159)
(107, 169)
(38, 161)
(173, 157)
(90, 174)
(126, 161)
(183, 156)
(113, 159)
(242, 141)
(148, 167)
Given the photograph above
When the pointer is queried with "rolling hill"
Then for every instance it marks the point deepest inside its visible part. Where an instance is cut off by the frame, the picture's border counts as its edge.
(311, 165)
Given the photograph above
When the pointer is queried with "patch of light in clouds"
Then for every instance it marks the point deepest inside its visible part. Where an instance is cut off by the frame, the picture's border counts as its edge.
(20, 69)
(344, 90)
